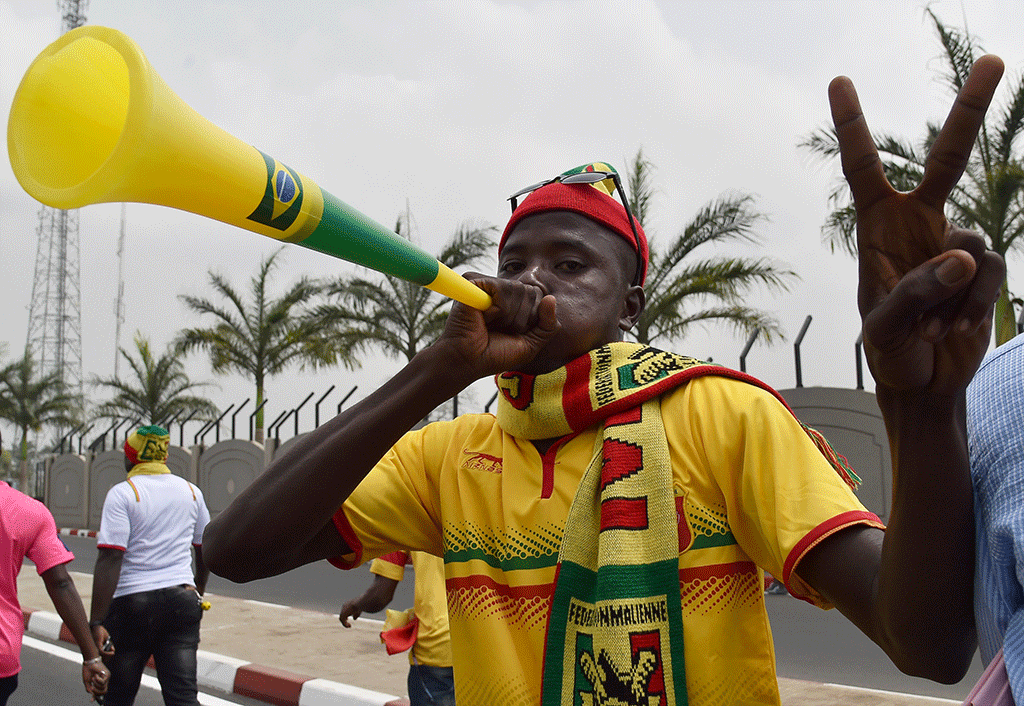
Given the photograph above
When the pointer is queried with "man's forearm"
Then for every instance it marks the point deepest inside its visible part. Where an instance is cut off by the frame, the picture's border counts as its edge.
(280, 520)
(202, 571)
(61, 589)
(925, 584)
(104, 582)
(379, 594)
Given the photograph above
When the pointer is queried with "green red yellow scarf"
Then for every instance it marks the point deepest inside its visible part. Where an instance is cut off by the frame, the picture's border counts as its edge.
(615, 631)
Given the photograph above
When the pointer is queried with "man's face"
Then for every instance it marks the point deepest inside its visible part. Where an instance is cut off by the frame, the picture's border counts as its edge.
(587, 268)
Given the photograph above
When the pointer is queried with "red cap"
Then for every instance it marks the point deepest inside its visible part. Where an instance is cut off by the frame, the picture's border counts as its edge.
(587, 201)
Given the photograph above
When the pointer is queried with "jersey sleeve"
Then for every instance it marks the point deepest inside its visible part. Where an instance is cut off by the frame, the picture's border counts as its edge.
(115, 526)
(779, 495)
(396, 505)
(390, 566)
(46, 550)
(202, 520)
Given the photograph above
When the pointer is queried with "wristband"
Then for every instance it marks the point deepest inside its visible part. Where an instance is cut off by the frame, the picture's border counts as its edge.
(94, 660)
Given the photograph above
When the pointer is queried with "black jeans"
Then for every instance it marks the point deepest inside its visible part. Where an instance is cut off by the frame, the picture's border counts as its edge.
(430, 686)
(7, 687)
(165, 624)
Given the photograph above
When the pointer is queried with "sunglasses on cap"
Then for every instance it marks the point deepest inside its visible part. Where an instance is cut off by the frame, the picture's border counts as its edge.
(591, 177)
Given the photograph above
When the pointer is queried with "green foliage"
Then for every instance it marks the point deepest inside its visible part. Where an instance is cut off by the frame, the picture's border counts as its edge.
(159, 389)
(261, 336)
(391, 315)
(989, 197)
(6, 466)
(30, 401)
(682, 290)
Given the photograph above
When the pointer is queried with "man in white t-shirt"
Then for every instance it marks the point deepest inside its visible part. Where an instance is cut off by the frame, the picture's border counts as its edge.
(144, 593)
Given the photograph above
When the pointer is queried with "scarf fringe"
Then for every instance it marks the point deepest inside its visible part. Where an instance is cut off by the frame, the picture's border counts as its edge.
(836, 460)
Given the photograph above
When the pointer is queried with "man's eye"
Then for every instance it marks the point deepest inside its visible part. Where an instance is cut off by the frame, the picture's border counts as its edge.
(510, 267)
(571, 265)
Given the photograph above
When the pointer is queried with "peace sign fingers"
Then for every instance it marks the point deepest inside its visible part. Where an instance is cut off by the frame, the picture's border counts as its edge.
(952, 149)
(861, 165)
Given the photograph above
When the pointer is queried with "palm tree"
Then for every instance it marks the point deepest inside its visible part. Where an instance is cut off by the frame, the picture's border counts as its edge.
(261, 337)
(679, 286)
(989, 197)
(161, 390)
(399, 318)
(31, 401)
(6, 465)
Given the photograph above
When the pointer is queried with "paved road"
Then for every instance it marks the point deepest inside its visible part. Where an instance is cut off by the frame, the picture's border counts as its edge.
(52, 674)
(824, 646)
(810, 644)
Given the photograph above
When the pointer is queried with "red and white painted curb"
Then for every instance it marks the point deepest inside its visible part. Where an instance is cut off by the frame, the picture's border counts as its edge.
(235, 676)
(77, 532)
(229, 675)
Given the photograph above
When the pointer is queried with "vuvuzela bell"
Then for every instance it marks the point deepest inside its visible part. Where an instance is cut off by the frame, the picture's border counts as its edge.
(92, 122)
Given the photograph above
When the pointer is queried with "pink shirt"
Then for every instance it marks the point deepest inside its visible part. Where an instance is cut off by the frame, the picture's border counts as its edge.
(26, 529)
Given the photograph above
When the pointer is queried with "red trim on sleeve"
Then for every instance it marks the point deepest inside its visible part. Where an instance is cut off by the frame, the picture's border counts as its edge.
(111, 546)
(816, 535)
(398, 558)
(349, 536)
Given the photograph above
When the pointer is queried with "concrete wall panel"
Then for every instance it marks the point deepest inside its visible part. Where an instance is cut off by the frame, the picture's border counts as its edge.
(67, 489)
(105, 471)
(226, 468)
(179, 460)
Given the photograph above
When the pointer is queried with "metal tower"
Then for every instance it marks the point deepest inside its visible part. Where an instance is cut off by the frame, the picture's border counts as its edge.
(119, 302)
(55, 312)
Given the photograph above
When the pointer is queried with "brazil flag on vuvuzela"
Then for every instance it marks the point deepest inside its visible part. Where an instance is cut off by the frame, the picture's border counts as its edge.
(91, 122)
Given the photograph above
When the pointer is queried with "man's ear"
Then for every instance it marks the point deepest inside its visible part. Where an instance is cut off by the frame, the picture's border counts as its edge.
(632, 306)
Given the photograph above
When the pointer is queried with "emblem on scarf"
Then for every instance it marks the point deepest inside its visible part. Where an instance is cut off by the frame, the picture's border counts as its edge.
(615, 632)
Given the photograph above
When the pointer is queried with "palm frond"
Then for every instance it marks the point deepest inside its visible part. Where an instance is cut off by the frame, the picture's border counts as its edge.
(640, 186)
(390, 315)
(959, 51)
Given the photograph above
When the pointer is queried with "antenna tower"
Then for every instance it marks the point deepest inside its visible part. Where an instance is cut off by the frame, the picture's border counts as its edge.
(119, 302)
(55, 312)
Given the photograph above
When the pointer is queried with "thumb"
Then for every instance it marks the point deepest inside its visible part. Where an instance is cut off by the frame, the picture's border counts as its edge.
(925, 297)
(954, 268)
(547, 325)
(547, 321)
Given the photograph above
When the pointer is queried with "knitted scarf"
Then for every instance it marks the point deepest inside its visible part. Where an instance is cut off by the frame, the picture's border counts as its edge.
(148, 469)
(615, 631)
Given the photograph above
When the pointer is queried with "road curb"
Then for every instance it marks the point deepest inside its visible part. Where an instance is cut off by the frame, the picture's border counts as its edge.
(230, 675)
(67, 532)
(235, 676)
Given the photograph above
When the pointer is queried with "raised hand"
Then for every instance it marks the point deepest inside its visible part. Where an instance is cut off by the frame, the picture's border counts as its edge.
(926, 288)
(509, 334)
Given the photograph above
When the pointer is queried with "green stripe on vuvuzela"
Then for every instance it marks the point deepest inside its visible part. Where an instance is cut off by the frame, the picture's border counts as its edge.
(346, 233)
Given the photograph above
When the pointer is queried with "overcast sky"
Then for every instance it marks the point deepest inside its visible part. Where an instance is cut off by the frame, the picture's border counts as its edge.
(451, 106)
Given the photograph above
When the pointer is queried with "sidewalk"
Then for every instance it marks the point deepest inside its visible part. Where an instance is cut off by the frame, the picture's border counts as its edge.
(276, 654)
(294, 657)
